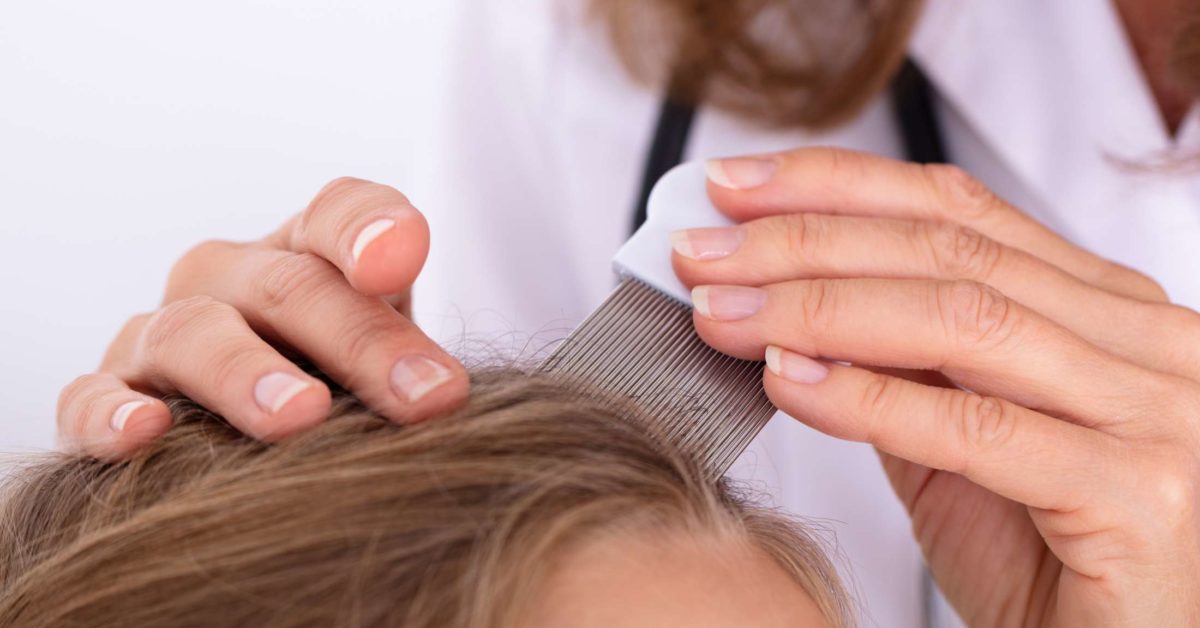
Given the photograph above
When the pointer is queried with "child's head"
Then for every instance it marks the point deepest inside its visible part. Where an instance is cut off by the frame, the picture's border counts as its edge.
(531, 506)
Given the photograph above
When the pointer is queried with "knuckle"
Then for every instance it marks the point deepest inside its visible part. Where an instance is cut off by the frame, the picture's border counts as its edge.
(846, 162)
(135, 322)
(194, 263)
(1181, 321)
(337, 189)
(962, 193)
(342, 203)
(360, 335)
(332, 192)
(180, 319)
(801, 234)
(963, 252)
(877, 399)
(1179, 330)
(292, 279)
(975, 313)
(986, 423)
(343, 183)
(1175, 400)
(349, 191)
(222, 372)
(1151, 290)
(1172, 490)
(843, 165)
(71, 394)
(1135, 283)
(818, 304)
(120, 349)
(79, 399)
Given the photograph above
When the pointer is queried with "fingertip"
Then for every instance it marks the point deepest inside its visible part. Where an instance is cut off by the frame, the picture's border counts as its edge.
(303, 410)
(389, 254)
(130, 427)
(739, 339)
(145, 424)
(795, 367)
(741, 173)
(801, 402)
(448, 397)
(730, 202)
(685, 270)
(368, 236)
(742, 205)
(427, 388)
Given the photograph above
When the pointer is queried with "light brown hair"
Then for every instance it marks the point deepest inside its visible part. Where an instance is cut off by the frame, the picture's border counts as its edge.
(811, 63)
(808, 63)
(359, 521)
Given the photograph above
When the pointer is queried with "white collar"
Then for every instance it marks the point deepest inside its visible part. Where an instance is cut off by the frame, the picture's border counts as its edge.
(1052, 87)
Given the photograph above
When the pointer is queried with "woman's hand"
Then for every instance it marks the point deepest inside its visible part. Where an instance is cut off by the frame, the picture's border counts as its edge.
(1057, 482)
(332, 284)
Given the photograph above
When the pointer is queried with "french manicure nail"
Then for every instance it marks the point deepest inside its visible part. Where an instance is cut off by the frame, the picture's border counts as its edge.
(369, 234)
(741, 173)
(126, 410)
(709, 243)
(274, 390)
(728, 303)
(794, 367)
(414, 376)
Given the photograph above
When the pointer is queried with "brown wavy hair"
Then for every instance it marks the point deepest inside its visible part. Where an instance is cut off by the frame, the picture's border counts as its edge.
(360, 522)
(813, 63)
(809, 63)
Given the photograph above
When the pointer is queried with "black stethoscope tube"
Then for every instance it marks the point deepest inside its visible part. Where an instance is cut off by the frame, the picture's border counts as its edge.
(912, 106)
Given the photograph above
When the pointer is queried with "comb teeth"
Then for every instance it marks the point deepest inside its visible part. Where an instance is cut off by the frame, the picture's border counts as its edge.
(640, 344)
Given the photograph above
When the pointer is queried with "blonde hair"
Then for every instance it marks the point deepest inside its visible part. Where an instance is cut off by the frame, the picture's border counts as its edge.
(359, 521)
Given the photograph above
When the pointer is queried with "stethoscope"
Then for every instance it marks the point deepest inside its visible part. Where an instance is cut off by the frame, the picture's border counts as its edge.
(912, 105)
(912, 102)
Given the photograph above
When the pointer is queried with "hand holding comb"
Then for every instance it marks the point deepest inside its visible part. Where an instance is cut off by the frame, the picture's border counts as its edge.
(640, 343)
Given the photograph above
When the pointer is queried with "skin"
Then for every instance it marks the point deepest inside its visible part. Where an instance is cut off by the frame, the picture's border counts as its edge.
(1037, 408)
(1062, 490)
(670, 579)
(1145, 21)
(231, 308)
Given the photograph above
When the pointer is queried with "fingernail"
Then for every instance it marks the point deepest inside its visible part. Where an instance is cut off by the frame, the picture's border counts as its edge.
(126, 410)
(795, 367)
(368, 235)
(708, 244)
(274, 390)
(728, 303)
(741, 173)
(414, 376)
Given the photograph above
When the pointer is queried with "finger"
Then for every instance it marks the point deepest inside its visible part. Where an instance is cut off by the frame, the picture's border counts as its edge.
(123, 348)
(837, 181)
(1013, 451)
(800, 246)
(361, 342)
(368, 230)
(970, 332)
(101, 416)
(205, 350)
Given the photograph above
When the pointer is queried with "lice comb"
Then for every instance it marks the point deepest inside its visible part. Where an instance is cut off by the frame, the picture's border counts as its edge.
(640, 343)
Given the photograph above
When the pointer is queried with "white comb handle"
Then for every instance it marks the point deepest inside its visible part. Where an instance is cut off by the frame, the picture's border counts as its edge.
(679, 201)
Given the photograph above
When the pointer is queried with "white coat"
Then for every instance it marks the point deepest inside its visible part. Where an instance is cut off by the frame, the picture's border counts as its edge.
(1042, 101)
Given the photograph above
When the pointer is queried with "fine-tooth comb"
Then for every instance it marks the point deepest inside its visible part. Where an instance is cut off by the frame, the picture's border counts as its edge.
(640, 343)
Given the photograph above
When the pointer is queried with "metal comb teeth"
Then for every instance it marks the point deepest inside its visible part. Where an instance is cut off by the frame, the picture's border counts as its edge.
(640, 344)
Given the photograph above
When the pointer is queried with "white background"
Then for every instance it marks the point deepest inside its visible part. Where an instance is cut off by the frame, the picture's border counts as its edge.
(131, 129)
